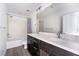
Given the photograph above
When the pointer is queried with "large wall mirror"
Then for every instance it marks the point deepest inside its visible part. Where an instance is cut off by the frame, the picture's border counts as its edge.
(60, 17)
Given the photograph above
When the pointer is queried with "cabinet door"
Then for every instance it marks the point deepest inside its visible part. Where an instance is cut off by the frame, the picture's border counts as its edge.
(43, 48)
(46, 49)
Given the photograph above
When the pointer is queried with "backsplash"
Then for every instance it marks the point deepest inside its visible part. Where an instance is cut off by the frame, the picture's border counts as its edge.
(69, 37)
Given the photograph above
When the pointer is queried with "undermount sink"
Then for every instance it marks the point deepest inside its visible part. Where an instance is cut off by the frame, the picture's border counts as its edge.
(54, 39)
(48, 37)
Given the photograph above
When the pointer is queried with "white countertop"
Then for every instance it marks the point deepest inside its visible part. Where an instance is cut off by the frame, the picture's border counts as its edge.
(70, 46)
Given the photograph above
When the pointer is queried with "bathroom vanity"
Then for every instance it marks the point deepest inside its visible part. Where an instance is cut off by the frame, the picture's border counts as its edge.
(47, 45)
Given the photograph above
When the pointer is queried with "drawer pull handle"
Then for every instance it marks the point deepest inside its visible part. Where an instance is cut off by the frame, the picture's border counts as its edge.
(35, 48)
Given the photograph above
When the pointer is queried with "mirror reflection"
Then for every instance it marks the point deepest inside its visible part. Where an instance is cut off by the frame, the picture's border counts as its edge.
(59, 18)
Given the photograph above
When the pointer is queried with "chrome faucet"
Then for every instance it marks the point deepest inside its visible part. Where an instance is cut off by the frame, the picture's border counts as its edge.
(58, 34)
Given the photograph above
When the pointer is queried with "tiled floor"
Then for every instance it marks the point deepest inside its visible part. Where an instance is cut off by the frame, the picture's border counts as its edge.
(17, 51)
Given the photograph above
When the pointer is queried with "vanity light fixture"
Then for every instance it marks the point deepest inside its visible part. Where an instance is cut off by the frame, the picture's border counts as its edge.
(27, 10)
(38, 8)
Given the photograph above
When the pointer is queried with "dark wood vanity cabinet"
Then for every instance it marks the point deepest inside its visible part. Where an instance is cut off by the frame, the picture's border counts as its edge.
(40, 48)
(33, 46)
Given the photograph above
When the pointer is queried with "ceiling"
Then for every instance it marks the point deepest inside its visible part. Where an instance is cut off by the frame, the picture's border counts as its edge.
(20, 8)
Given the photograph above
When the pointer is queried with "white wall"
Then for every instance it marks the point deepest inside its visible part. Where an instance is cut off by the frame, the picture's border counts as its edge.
(34, 22)
(71, 23)
(3, 28)
(52, 16)
(52, 23)
(41, 22)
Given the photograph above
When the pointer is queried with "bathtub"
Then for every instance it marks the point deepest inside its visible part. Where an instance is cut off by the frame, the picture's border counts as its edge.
(16, 43)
